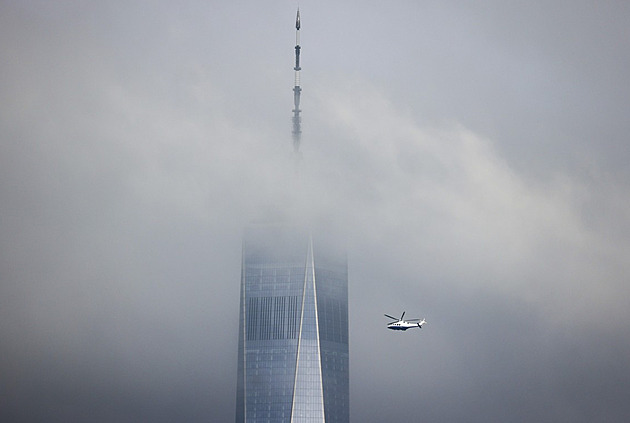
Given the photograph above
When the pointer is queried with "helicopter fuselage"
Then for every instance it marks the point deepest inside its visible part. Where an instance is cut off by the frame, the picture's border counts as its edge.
(403, 325)
(400, 324)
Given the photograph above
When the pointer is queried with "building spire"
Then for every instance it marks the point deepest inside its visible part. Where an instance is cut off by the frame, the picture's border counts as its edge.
(297, 130)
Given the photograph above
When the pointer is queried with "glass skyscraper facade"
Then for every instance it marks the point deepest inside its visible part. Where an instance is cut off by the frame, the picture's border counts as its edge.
(293, 328)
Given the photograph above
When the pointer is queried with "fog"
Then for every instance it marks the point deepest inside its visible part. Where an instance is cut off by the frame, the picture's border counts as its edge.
(471, 158)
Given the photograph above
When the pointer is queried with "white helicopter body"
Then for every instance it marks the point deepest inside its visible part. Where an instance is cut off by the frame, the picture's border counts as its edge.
(400, 324)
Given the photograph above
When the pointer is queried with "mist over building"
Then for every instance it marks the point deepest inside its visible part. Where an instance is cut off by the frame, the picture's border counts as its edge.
(293, 353)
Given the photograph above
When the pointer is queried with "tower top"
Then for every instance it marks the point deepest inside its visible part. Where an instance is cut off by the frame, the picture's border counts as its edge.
(297, 130)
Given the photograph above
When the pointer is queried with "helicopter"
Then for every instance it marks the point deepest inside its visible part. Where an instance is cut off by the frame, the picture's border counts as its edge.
(401, 324)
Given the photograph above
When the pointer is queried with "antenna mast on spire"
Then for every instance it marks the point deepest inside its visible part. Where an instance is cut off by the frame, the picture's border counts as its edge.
(297, 130)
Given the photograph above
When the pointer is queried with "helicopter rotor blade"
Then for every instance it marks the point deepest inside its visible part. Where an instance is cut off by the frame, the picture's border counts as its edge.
(391, 317)
(403, 315)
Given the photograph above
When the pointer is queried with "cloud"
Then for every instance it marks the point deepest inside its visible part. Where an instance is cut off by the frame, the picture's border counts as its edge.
(130, 166)
(452, 195)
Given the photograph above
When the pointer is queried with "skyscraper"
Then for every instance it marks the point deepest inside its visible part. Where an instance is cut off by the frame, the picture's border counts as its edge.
(293, 322)
(293, 328)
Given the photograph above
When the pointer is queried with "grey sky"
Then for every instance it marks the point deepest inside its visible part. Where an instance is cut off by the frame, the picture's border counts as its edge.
(473, 158)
